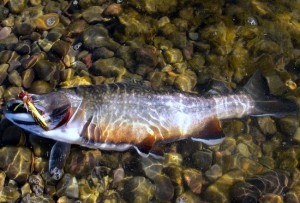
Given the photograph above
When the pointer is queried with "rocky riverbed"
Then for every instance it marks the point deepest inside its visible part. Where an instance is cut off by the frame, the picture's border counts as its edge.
(182, 44)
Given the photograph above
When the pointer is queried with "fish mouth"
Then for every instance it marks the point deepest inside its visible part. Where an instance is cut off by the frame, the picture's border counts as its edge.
(16, 112)
(48, 111)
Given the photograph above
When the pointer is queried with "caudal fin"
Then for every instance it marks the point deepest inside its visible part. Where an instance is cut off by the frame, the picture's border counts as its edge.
(265, 104)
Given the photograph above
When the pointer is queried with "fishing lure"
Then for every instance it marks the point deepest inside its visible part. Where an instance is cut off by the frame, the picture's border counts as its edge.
(29, 105)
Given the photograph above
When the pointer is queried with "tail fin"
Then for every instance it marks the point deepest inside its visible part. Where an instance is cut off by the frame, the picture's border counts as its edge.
(265, 104)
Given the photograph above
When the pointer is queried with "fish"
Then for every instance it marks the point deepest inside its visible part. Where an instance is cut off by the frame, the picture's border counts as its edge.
(120, 116)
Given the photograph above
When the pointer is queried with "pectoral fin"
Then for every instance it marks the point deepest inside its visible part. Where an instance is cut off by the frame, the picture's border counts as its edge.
(58, 156)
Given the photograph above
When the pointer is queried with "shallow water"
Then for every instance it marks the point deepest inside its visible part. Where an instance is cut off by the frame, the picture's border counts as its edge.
(169, 43)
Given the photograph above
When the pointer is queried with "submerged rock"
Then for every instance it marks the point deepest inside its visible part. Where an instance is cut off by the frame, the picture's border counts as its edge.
(139, 189)
(155, 6)
(16, 162)
(272, 182)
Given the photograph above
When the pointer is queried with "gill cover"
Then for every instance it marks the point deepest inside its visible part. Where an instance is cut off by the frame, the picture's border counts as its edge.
(53, 107)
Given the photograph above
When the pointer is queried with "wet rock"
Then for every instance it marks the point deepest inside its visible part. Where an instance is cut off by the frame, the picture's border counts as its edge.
(16, 161)
(41, 146)
(188, 197)
(17, 6)
(40, 87)
(76, 81)
(26, 190)
(102, 52)
(5, 32)
(82, 162)
(2, 180)
(271, 198)
(38, 198)
(40, 165)
(118, 176)
(37, 184)
(275, 182)
(287, 158)
(155, 6)
(243, 150)
(44, 69)
(3, 13)
(172, 159)
(134, 28)
(197, 62)
(247, 165)
(173, 55)
(111, 67)
(13, 135)
(35, 2)
(61, 48)
(164, 189)
(193, 36)
(202, 160)
(24, 28)
(186, 82)
(27, 78)
(219, 190)
(113, 10)
(87, 192)
(139, 189)
(178, 39)
(267, 162)
(31, 61)
(93, 14)
(45, 44)
(162, 43)
(111, 196)
(194, 180)
(97, 36)
(68, 186)
(3, 72)
(67, 74)
(13, 65)
(296, 136)
(146, 56)
(6, 56)
(77, 27)
(47, 21)
(213, 173)
(10, 193)
(11, 93)
(175, 174)
(23, 48)
(54, 35)
(156, 78)
(267, 125)
(127, 54)
(288, 125)
(151, 167)
(14, 78)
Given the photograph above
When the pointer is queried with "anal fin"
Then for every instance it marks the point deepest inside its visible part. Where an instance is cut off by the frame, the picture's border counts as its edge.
(211, 134)
(146, 145)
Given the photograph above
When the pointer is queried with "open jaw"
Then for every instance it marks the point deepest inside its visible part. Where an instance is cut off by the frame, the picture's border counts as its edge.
(17, 113)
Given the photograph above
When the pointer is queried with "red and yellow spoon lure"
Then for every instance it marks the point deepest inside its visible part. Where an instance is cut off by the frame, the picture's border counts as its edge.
(28, 104)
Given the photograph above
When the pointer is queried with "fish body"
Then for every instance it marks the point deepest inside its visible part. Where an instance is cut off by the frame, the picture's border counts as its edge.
(123, 115)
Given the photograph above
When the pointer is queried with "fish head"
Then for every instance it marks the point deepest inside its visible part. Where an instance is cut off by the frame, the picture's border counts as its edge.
(44, 112)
